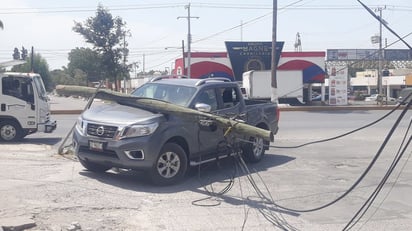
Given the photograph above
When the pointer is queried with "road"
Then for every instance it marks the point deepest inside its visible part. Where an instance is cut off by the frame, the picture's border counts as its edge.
(52, 192)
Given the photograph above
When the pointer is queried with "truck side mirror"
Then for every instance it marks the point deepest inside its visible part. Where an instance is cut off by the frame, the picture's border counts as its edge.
(203, 107)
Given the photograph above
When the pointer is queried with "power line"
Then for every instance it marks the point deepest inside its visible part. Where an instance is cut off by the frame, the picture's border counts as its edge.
(247, 22)
(5, 11)
(79, 9)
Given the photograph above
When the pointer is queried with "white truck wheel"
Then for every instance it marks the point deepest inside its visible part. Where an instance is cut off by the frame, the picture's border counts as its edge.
(10, 131)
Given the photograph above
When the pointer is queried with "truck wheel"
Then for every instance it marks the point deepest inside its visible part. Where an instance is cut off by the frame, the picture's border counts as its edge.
(255, 150)
(93, 167)
(170, 166)
(10, 131)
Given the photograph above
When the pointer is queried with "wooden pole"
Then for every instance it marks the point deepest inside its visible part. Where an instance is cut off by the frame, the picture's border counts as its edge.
(240, 129)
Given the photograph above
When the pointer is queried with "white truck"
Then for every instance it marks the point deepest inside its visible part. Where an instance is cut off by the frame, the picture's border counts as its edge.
(257, 85)
(24, 106)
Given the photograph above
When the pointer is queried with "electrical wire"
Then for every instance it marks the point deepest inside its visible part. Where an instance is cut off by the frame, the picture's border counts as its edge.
(212, 194)
(342, 135)
(243, 24)
(393, 184)
(267, 212)
(377, 51)
(239, 163)
(408, 98)
(362, 176)
(279, 221)
(365, 207)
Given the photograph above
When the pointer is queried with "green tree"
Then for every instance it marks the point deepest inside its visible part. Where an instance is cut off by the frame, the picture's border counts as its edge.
(107, 35)
(86, 60)
(80, 77)
(40, 66)
(62, 77)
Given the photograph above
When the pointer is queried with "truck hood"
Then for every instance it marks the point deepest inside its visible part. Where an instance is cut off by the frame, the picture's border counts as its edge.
(117, 114)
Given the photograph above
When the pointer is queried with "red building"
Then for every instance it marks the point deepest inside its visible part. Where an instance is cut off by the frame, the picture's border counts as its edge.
(205, 65)
(217, 64)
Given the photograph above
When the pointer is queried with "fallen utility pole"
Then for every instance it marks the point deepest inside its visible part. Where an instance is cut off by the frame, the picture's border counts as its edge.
(60, 150)
(235, 127)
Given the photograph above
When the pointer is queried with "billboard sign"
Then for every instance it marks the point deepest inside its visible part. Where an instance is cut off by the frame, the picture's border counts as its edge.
(368, 54)
(338, 85)
(248, 56)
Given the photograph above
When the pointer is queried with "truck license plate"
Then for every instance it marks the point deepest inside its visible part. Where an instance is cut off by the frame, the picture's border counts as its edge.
(95, 145)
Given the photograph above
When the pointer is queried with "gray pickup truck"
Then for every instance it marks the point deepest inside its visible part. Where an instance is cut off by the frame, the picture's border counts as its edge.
(165, 145)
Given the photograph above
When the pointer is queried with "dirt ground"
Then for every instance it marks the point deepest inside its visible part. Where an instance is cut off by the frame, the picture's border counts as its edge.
(41, 190)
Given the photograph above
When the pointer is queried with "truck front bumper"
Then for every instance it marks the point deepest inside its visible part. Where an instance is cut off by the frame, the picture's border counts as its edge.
(136, 153)
(48, 127)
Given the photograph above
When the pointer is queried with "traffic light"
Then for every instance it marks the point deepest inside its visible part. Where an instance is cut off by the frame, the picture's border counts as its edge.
(16, 54)
(23, 53)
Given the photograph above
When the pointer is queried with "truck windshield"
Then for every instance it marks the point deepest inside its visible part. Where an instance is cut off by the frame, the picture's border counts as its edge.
(38, 83)
(175, 94)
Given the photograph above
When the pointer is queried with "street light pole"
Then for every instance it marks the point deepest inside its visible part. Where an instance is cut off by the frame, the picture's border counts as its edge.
(380, 54)
(189, 38)
(124, 62)
(183, 55)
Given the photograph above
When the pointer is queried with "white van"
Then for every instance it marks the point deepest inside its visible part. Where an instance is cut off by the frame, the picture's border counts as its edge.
(404, 94)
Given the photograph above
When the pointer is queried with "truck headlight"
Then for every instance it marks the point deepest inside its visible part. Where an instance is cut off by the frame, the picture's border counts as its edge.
(80, 125)
(138, 130)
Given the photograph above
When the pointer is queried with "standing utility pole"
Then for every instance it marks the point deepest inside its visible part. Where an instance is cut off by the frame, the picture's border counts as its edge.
(143, 61)
(32, 59)
(274, 84)
(124, 63)
(189, 37)
(380, 53)
(183, 57)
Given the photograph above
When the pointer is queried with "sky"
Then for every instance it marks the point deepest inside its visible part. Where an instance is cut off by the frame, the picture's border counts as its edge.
(157, 27)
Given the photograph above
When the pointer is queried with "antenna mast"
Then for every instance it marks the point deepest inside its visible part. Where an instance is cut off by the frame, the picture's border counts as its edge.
(298, 43)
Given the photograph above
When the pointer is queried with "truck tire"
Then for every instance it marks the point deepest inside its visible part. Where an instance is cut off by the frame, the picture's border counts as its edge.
(10, 131)
(255, 149)
(170, 166)
(93, 167)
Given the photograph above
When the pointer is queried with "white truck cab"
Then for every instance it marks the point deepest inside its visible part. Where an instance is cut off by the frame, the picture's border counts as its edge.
(24, 106)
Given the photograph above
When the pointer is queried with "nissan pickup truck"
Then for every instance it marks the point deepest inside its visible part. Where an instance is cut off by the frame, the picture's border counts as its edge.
(166, 145)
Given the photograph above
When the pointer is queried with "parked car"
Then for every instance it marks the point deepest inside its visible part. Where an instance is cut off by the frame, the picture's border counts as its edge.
(376, 98)
(318, 97)
(166, 144)
(404, 94)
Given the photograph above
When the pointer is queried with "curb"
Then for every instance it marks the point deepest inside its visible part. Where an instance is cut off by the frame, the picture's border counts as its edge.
(66, 112)
(338, 108)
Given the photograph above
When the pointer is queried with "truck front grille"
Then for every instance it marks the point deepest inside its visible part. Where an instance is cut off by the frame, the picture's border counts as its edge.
(99, 130)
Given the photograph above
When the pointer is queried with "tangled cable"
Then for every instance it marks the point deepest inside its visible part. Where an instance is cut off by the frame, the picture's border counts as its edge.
(269, 205)
(402, 149)
(365, 207)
